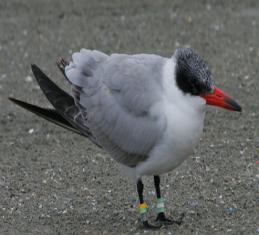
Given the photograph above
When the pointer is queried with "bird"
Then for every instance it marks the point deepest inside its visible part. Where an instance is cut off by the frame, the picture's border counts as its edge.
(147, 111)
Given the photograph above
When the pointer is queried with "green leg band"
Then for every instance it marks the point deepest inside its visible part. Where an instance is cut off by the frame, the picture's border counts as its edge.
(143, 216)
(143, 211)
(160, 205)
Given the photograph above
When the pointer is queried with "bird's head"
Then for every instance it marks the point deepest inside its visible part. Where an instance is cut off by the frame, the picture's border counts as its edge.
(193, 77)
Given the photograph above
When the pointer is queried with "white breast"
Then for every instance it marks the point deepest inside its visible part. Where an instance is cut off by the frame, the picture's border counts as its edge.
(185, 116)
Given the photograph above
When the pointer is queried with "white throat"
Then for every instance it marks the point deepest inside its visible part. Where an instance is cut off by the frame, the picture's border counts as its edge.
(186, 102)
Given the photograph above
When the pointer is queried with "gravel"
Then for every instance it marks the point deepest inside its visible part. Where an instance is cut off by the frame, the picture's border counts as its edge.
(56, 182)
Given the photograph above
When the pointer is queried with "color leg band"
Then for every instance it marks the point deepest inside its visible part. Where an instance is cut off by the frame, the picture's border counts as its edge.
(160, 205)
(143, 211)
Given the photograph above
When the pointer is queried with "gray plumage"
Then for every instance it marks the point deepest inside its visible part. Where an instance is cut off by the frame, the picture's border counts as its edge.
(115, 94)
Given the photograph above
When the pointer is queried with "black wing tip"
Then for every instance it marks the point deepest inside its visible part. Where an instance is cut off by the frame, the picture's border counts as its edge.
(34, 66)
(13, 100)
(39, 75)
(35, 69)
(19, 102)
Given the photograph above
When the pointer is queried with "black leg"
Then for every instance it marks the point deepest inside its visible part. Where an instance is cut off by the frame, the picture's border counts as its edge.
(143, 207)
(160, 205)
(140, 187)
(157, 185)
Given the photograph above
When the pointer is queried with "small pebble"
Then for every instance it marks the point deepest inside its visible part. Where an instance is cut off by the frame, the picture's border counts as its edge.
(246, 77)
(3, 76)
(231, 210)
(194, 204)
(25, 32)
(28, 79)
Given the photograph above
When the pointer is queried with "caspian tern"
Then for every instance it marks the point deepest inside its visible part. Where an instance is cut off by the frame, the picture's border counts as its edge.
(147, 111)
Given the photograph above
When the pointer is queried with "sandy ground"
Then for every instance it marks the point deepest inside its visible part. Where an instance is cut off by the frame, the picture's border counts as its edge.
(55, 182)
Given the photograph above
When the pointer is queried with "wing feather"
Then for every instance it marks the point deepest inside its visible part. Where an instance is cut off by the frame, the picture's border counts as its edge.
(117, 94)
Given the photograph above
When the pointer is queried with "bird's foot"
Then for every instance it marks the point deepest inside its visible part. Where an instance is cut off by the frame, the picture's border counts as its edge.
(165, 221)
(149, 226)
(143, 216)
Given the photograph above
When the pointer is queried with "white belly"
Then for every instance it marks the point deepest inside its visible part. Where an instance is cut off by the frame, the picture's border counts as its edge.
(180, 138)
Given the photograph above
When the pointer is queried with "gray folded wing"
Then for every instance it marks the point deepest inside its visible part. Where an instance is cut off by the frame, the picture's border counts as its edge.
(118, 95)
